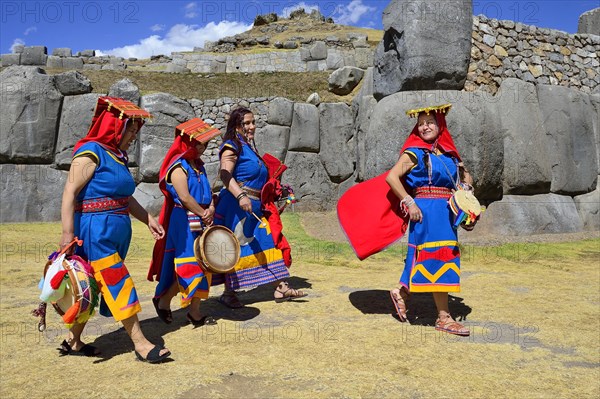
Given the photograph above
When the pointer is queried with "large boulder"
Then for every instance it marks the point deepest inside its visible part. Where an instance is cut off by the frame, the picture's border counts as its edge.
(522, 215)
(338, 146)
(588, 206)
(426, 46)
(595, 100)
(571, 146)
(280, 112)
(274, 140)
(29, 112)
(157, 136)
(10, 59)
(34, 55)
(125, 89)
(30, 193)
(310, 182)
(304, 133)
(342, 81)
(72, 82)
(62, 52)
(316, 51)
(362, 107)
(75, 120)
(478, 141)
(589, 22)
(472, 122)
(527, 167)
(150, 197)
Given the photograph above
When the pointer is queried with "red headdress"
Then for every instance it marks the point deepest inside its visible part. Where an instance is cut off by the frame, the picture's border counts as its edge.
(372, 228)
(109, 121)
(187, 135)
(444, 141)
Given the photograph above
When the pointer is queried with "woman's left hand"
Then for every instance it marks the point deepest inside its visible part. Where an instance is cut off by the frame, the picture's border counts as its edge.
(158, 232)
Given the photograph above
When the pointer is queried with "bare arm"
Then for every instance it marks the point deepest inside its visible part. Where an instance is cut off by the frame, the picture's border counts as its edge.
(228, 161)
(179, 181)
(81, 172)
(393, 179)
(138, 212)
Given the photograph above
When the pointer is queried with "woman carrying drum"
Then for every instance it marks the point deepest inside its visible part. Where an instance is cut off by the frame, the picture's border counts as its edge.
(263, 259)
(431, 169)
(96, 205)
(187, 208)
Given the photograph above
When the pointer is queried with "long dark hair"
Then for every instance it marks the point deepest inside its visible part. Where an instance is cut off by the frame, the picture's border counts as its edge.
(236, 117)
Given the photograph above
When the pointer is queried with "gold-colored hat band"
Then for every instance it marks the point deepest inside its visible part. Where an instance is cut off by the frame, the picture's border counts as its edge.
(444, 109)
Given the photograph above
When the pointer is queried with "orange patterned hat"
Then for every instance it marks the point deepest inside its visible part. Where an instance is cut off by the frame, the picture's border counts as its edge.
(198, 130)
(120, 108)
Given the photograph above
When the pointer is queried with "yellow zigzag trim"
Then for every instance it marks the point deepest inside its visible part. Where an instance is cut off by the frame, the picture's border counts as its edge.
(434, 277)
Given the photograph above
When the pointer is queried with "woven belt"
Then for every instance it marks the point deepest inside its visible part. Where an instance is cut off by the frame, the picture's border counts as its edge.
(104, 204)
(433, 192)
(252, 193)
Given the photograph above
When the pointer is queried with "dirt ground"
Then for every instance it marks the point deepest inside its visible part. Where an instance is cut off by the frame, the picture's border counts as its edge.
(534, 318)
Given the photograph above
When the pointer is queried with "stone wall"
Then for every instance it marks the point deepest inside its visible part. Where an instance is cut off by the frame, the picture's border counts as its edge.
(533, 150)
(311, 57)
(61, 58)
(504, 49)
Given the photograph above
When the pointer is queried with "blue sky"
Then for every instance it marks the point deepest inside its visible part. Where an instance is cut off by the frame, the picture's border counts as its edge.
(143, 28)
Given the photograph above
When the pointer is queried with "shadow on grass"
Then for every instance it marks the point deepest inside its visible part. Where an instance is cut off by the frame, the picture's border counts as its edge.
(421, 307)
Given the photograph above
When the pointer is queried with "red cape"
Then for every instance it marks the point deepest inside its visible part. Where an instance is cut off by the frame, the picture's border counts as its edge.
(270, 191)
(369, 214)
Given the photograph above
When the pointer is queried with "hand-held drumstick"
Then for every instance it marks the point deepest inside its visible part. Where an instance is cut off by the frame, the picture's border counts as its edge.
(262, 224)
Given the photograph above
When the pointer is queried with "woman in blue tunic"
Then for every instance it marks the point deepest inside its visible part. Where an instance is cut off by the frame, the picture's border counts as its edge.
(430, 168)
(188, 204)
(244, 174)
(96, 204)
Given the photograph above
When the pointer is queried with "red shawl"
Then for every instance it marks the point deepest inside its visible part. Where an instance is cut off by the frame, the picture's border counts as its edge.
(369, 212)
(270, 191)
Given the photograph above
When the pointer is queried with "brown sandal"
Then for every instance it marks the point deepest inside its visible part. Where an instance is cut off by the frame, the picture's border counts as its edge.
(451, 327)
(399, 298)
(229, 299)
(287, 293)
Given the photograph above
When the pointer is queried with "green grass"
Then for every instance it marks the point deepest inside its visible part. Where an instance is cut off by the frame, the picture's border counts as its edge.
(295, 86)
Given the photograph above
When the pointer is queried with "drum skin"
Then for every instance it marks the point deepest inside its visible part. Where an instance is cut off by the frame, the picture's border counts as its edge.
(217, 250)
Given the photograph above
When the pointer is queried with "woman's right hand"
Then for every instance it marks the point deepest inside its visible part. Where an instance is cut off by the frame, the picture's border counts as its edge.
(246, 204)
(415, 213)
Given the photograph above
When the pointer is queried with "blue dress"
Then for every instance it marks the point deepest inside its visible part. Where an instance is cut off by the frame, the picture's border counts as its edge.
(433, 257)
(260, 261)
(179, 261)
(102, 221)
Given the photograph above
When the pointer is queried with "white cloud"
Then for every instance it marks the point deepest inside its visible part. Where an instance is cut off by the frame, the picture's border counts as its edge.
(29, 30)
(157, 27)
(180, 37)
(351, 13)
(191, 10)
(307, 7)
(15, 43)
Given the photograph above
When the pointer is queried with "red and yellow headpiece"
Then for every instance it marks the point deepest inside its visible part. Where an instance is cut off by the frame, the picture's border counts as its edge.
(197, 130)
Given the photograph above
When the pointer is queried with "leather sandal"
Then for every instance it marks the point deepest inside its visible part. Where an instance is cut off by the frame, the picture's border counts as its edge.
(451, 327)
(164, 314)
(203, 321)
(229, 299)
(154, 355)
(287, 293)
(399, 301)
(86, 350)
